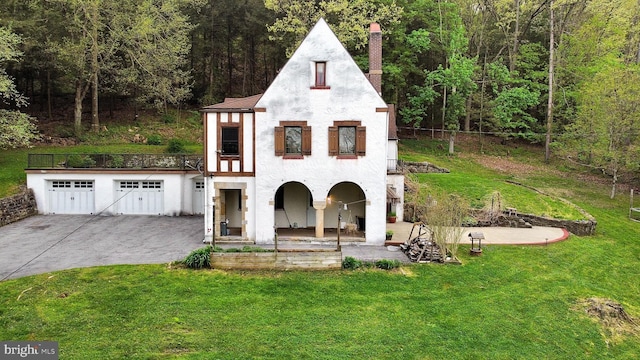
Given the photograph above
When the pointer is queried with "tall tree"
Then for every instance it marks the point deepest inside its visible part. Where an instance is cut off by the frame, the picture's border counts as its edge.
(16, 128)
(349, 19)
(606, 134)
(154, 44)
(547, 142)
(85, 48)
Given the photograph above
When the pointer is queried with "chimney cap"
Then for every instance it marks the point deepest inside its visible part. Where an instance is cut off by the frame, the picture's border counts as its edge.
(374, 27)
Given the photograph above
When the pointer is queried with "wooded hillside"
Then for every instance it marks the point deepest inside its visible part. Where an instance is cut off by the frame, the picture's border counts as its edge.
(484, 66)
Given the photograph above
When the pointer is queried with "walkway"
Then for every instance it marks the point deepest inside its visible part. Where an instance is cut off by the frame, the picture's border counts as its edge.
(537, 235)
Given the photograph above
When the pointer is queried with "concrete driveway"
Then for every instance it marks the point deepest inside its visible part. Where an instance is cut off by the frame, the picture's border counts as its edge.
(45, 243)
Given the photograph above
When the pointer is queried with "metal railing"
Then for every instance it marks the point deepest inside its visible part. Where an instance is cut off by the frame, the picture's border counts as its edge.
(115, 161)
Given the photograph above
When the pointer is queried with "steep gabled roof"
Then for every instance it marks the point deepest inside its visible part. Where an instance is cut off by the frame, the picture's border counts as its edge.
(234, 104)
(344, 77)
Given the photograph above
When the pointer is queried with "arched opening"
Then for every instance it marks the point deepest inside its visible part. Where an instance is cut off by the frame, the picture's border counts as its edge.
(293, 207)
(346, 210)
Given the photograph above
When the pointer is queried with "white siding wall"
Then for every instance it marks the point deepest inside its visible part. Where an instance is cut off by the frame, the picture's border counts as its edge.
(177, 194)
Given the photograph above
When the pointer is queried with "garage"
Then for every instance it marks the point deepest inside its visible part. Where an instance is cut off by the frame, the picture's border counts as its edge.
(139, 197)
(70, 197)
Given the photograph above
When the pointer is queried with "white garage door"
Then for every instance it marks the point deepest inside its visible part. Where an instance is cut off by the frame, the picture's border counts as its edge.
(198, 197)
(140, 197)
(70, 197)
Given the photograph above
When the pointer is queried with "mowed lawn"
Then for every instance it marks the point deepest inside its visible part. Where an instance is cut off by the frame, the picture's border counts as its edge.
(513, 302)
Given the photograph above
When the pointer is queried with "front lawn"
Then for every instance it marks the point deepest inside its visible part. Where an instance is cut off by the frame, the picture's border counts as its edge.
(513, 302)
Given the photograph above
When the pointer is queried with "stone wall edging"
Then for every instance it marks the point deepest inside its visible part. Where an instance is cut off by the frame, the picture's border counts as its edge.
(421, 167)
(17, 207)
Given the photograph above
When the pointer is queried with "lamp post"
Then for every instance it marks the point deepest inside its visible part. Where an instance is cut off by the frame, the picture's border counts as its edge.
(340, 205)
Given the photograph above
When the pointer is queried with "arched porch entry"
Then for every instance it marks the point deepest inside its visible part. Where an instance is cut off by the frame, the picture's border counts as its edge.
(346, 201)
(293, 207)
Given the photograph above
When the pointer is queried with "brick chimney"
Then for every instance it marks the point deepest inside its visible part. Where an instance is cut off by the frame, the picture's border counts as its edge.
(375, 57)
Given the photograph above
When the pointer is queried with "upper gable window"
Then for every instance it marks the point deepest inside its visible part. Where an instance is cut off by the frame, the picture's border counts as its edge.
(347, 139)
(320, 73)
(292, 139)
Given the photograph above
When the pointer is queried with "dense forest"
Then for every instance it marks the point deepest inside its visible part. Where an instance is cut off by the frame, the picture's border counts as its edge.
(563, 73)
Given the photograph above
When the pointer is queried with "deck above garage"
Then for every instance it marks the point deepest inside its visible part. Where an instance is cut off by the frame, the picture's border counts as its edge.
(115, 161)
(117, 184)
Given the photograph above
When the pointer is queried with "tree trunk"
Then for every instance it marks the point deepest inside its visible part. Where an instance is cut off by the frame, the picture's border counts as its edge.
(444, 110)
(516, 35)
(77, 113)
(452, 137)
(482, 87)
(95, 121)
(49, 111)
(547, 150)
(614, 182)
(467, 117)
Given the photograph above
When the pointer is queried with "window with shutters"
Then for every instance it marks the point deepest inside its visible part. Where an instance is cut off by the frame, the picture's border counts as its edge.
(292, 139)
(347, 139)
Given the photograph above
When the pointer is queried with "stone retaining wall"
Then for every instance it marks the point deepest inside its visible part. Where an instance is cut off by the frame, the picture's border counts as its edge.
(576, 227)
(17, 207)
(420, 167)
(281, 260)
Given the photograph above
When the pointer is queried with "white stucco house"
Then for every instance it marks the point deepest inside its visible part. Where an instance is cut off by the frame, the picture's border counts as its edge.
(319, 144)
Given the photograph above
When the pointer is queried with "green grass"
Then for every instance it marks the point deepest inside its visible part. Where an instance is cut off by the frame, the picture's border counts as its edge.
(476, 183)
(513, 302)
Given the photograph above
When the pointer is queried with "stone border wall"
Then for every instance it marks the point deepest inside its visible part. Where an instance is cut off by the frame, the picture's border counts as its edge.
(576, 227)
(278, 260)
(420, 167)
(17, 207)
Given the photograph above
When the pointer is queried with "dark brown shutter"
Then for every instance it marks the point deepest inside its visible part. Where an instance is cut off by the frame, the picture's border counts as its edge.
(333, 141)
(306, 140)
(361, 141)
(278, 133)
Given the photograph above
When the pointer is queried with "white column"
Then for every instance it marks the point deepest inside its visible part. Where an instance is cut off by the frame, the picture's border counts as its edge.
(209, 194)
(319, 206)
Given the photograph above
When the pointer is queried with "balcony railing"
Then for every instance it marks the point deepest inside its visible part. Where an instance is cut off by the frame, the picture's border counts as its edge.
(115, 161)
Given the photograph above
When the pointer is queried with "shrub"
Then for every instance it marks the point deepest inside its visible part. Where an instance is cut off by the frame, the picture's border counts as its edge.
(117, 161)
(351, 263)
(168, 118)
(175, 146)
(199, 258)
(154, 139)
(387, 264)
(80, 161)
